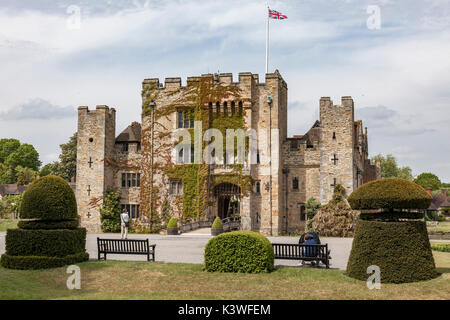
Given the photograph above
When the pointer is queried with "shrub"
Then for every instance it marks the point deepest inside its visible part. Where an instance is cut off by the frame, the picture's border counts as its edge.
(312, 206)
(239, 251)
(443, 247)
(217, 224)
(49, 198)
(50, 243)
(173, 223)
(110, 212)
(335, 219)
(54, 239)
(41, 262)
(401, 250)
(391, 193)
(48, 225)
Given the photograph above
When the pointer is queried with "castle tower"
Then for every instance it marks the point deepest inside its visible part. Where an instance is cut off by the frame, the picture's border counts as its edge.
(95, 145)
(336, 146)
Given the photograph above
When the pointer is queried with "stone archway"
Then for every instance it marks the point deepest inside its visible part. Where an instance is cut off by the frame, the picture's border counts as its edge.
(228, 196)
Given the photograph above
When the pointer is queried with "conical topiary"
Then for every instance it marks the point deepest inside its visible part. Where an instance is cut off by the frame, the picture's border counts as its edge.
(49, 237)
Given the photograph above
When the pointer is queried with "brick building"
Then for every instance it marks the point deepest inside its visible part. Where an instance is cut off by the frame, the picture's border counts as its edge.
(279, 177)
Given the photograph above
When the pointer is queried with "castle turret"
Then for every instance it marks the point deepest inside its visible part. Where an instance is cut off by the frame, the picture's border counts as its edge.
(95, 146)
(336, 146)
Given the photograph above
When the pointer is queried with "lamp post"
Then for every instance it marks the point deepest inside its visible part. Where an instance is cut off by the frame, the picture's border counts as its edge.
(269, 102)
(152, 106)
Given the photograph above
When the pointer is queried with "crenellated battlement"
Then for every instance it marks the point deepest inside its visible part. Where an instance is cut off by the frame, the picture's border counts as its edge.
(99, 108)
(244, 78)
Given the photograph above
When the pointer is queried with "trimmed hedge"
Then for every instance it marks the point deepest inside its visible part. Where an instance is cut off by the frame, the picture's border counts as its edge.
(36, 262)
(401, 249)
(239, 251)
(443, 247)
(48, 225)
(50, 243)
(391, 193)
(49, 198)
(217, 224)
(390, 216)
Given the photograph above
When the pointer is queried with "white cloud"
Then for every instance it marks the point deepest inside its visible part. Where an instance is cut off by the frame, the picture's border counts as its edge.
(398, 75)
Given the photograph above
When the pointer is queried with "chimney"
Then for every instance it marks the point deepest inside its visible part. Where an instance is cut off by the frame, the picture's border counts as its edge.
(444, 191)
(429, 190)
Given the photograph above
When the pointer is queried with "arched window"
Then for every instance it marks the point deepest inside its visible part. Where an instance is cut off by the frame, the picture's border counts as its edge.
(240, 108)
(225, 109)
(233, 108)
(180, 156)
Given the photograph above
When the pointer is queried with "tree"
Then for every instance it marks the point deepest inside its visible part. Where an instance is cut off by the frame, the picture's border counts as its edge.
(8, 146)
(7, 174)
(25, 175)
(336, 218)
(66, 167)
(68, 158)
(25, 156)
(14, 155)
(428, 180)
(110, 212)
(312, 206)
(390, 168)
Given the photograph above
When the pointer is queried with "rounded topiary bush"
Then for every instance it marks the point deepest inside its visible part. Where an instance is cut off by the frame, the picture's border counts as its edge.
(239, 251)
(217, 224)
(172, 223)
(50, 235)
(49, 198)
(393, 234)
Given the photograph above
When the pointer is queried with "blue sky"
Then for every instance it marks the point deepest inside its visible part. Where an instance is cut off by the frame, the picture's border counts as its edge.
(398, 75)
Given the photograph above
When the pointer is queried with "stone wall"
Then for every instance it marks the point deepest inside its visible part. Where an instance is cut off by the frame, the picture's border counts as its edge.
(96, 134)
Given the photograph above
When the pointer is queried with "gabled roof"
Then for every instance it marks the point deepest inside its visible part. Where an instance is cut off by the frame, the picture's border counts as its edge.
(11, 189)
(131, 134)
(439, 201)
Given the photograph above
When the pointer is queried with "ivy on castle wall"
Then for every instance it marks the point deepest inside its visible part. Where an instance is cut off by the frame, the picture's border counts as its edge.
(196, 178)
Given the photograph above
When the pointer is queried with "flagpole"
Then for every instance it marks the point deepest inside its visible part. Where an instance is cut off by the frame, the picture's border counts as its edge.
(267, 40)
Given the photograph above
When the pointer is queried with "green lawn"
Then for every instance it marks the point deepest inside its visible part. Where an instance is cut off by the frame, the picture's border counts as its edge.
(444, 226)
(143, 280)
(7, 224)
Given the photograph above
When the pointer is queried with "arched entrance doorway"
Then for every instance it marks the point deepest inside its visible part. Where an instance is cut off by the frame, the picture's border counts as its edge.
(228, 198)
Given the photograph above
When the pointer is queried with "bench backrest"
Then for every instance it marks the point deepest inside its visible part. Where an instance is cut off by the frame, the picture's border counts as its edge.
(299, 250)
(122, 245)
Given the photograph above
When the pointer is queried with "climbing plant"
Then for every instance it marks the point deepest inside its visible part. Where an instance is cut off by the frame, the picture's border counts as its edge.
(199, 96)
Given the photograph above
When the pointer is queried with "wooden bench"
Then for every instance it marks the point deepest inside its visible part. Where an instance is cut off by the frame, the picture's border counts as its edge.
(125, 246)
(305, 252)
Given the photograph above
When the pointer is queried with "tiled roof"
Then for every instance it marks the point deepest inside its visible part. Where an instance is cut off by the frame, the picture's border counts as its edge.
(131, 134)
(439, 201)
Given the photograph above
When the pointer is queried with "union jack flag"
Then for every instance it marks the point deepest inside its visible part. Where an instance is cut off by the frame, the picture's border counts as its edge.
(273, 14)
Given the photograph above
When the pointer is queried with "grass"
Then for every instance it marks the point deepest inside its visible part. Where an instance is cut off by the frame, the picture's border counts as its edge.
(444, 226)
(443, 247)
(6, 224)
(143, 280)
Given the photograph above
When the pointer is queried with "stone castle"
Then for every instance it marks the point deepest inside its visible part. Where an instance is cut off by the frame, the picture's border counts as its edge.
(151, 172)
